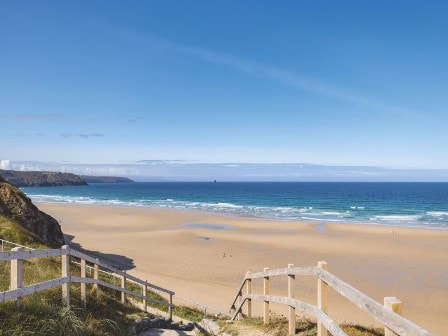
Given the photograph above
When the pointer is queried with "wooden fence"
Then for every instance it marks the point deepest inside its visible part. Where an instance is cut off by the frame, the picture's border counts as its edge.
(17, 291)
(7, 245)
(387, 314)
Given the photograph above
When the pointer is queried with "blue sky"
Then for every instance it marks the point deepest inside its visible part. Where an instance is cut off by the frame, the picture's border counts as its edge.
(349, 83)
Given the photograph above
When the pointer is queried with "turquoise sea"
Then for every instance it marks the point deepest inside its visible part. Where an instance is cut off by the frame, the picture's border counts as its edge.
(404, 204)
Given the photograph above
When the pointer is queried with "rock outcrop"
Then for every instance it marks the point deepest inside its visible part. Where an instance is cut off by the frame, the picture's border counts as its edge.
(40, 178)
(16, 206)
(145, 323)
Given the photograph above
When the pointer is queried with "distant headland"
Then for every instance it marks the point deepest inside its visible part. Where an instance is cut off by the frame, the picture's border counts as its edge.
(51, 179)
(105, 179)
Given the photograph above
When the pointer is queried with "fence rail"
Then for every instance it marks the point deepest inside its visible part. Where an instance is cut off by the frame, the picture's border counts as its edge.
(96, 267)
(17, 291)
(387, 314)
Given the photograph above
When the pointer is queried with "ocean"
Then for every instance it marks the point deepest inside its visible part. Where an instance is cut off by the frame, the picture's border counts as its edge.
(401, 204)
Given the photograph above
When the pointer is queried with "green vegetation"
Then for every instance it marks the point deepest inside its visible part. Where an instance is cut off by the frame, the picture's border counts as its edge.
(278, 326)
(183, 312)
(12, 231)
(44, 314)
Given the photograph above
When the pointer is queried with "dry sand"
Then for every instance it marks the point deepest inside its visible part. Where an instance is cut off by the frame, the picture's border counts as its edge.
(203, 256)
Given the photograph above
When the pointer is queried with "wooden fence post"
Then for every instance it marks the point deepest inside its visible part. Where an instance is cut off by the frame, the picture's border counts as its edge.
(83, 284)
(393, 304)
(291, 310)
(66, 274)
(248, 292)
(322, 289)
(170, 308)
(144, 303)
(16, 274)
(123, 285)
(266, 303)
(240, 313)
(95, 276)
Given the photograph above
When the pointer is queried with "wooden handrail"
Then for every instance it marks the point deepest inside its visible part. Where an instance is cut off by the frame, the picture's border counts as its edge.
(91, 269)
(283, 271)
(29, 254)
(24, 291)
(118, 288)
(88, 258)
(19, 255)
(387, 317)
(308, 308)
(238, 293)
(312, 270)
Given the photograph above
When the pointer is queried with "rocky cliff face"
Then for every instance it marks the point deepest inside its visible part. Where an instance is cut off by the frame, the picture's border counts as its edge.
(17, 206)
(40, 179)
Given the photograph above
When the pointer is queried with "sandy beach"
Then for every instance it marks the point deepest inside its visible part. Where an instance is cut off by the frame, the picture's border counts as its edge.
(203, 256)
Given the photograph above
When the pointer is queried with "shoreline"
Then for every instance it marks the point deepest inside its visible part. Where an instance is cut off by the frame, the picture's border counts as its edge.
(248, 216)
(187, 252)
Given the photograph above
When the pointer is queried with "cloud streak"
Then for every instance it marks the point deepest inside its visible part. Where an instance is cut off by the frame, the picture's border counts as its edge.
(81, 135)
(259, 70)
(29, 117)
(172, 170)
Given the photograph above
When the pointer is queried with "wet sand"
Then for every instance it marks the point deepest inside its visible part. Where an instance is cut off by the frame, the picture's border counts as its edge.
(203, 256)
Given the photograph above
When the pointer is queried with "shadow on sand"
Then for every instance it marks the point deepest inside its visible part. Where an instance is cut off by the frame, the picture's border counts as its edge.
(118, 261)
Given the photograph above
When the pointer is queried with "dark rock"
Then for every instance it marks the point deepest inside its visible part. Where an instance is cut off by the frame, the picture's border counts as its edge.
(145, 323)
(187, 327)
(16, 206)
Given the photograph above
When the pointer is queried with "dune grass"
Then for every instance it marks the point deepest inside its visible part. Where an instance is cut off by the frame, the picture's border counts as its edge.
(184, 312)
(12, 231)
(44, 314)
(278, 326)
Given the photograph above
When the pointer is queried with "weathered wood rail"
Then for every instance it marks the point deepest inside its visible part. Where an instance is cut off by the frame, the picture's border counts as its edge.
(387, 314)
(103, 268)
(17, 290)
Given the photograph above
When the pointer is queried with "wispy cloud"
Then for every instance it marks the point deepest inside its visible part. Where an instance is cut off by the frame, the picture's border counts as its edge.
(31, 117)
(173, 170)
(5, 164)
(132, 120)
(81, 135)
(260, 70)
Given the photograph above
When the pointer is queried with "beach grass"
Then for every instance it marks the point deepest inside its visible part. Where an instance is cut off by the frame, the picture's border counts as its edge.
(12, 231)
(44, 314)
(278, 326)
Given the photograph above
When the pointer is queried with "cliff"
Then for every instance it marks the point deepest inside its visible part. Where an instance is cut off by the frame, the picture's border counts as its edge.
(40, 179)
(17, 207)
(105, 179)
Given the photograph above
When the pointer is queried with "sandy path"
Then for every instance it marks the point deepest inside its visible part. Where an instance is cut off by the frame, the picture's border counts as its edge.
(203, 256)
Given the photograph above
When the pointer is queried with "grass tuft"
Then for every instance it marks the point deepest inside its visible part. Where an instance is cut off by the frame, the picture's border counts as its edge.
(12, 231)
(278, 326)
